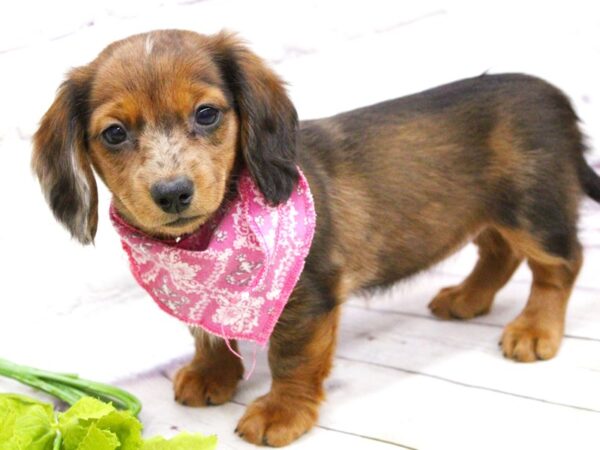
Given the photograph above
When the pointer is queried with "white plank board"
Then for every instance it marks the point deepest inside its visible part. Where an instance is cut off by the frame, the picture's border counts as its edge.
(368, 404)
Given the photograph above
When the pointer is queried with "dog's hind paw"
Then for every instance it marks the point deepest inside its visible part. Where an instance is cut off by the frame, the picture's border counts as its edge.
(457, 303)
(527, 339)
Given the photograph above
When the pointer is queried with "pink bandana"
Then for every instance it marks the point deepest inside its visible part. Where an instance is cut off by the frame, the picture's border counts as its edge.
(235, 274)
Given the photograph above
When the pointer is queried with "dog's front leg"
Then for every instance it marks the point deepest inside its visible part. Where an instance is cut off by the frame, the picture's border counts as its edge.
(300, 356)
(212, 376)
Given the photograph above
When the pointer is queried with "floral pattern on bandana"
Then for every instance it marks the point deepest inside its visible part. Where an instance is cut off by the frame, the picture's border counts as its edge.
(233, 276)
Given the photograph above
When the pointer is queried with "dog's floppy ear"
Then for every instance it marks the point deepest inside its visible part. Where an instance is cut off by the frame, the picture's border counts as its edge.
(61, 162)
(268, 119)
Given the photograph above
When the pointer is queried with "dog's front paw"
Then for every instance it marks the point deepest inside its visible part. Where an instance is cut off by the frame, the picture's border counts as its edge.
(201, 385)
(276, 421)
(528, 339)
(457, 303)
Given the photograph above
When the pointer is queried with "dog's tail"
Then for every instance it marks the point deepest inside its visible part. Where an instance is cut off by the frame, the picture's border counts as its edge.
(589, 179)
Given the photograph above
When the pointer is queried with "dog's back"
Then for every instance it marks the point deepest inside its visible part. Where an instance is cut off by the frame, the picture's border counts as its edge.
(410, 180)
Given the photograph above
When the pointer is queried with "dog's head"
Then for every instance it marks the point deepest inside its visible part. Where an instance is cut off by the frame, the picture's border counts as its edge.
(166, 119)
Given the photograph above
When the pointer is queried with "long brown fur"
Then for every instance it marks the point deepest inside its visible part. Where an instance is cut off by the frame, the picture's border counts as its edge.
(398, 187)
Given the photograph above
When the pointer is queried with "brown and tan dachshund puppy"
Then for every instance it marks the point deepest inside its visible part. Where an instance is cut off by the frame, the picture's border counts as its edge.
(398, 186)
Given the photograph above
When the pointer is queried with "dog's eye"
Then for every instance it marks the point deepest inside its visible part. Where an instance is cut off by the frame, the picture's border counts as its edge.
(114, 135)
(207, 115)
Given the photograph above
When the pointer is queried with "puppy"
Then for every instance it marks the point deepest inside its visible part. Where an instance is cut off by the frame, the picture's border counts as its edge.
(398, 186)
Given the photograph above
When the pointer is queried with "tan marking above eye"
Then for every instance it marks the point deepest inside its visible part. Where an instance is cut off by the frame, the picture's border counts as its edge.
(108, 115)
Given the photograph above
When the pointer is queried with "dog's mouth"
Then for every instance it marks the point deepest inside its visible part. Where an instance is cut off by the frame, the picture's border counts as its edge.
(182, 221)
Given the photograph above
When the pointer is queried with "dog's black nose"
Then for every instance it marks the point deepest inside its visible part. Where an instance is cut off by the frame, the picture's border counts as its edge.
(173, 196)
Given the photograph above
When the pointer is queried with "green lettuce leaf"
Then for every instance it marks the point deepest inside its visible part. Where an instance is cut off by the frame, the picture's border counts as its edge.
(127, 428)
(75, 423)
(90, 424)
(98, 439)
(90, 415)
(86, 408)
(74, 435)
(26, 424)
(183, 441)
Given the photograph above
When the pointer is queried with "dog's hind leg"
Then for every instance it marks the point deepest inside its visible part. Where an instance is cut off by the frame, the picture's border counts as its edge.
(537, 332)
(474, 296)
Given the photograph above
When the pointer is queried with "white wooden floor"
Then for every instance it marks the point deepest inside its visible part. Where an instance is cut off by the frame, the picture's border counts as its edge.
(401, 378)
